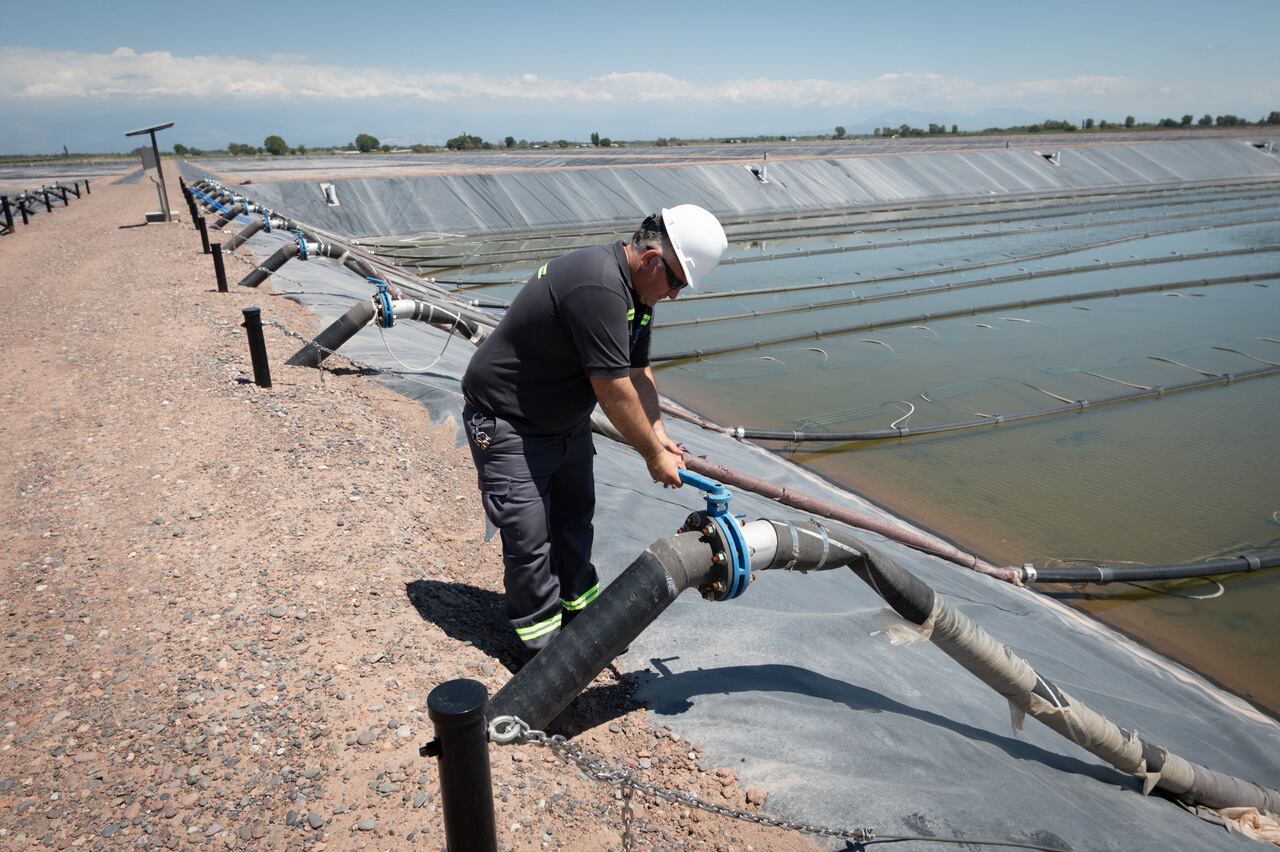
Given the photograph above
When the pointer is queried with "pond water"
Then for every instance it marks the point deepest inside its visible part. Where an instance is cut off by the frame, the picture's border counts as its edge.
(818, 324)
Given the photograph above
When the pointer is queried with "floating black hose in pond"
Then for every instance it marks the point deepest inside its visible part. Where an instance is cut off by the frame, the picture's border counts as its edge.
(1103, 574)
(919, 319)
(1009, 260)
(951, 238)
(949, 220)
(965, 285)
(742, 433)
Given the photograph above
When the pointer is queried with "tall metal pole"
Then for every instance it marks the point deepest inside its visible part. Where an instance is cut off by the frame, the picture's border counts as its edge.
(164, 194)
(155, 153)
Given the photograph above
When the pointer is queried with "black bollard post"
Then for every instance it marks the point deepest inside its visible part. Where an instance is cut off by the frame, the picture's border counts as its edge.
(8, 214)
(191, 204)
(218, 269)
(47, 205)
(257, 347)
(22, 208)
(457, 709)
(61, 190)
(86, 187)
(204, 233)
(75, 187)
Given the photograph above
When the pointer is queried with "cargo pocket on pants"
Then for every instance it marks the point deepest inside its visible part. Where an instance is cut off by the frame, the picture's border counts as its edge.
(497, 507)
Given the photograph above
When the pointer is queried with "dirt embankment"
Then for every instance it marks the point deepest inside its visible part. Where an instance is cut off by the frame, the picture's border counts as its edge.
(223, 607)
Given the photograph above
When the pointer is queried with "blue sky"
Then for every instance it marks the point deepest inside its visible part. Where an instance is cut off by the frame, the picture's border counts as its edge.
(80, 73)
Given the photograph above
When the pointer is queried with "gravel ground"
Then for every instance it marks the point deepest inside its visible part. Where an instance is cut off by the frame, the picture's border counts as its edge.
(224, 607)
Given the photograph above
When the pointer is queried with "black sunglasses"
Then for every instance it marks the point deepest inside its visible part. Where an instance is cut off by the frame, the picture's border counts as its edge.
(672, 279)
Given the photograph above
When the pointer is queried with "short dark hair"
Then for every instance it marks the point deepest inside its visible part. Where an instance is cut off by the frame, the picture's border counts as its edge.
(652, 233)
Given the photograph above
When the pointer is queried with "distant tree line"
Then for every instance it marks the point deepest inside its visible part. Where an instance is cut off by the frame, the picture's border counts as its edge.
(1062, 126)
(366, 143)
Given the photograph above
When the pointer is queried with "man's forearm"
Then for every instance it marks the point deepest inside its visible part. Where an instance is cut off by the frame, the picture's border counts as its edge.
(647, 389)
(623, 405)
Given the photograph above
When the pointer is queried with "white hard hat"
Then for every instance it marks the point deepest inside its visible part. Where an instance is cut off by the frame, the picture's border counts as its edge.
(697, 238)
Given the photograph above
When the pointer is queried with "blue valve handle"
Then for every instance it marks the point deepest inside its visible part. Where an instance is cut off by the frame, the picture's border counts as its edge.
(714, 490)
(717, 497)
(382, 299)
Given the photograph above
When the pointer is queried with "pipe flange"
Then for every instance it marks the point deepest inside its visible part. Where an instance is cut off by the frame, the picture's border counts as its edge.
(383, 311)
(731, 559)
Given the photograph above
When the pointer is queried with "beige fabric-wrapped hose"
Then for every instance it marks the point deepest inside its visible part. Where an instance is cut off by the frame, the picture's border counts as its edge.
(992, 662)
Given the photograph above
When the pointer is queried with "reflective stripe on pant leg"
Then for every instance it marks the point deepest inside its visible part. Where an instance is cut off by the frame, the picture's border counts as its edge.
(537, 634)
(581, 602)
(573, 502)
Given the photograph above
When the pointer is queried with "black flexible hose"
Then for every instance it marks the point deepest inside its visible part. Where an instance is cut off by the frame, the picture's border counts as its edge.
(951, 238)
(1103, 574)
(553, 678)
(798, 437)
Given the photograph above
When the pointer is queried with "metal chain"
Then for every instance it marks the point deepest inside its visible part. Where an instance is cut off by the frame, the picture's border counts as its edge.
(506, 730)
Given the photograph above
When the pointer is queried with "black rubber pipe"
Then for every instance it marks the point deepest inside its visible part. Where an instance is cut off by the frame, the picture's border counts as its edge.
(1012, 232)
(419, 253)
(557, 674)
(915, 292)
(797, 437)
(919, 319)
(361, 313)
(315, 248)
(1103, 574)
(270, 265)
(339, 332)
(233, 210)
(240, 237)
(561, 670)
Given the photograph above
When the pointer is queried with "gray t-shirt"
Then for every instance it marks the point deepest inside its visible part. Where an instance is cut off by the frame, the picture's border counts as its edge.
(578, 318)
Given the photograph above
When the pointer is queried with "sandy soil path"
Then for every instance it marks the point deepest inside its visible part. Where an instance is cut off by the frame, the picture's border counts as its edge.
(223, 607)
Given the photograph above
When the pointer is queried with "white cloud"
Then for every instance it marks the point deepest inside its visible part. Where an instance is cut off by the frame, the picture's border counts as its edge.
(1088, 86)
(33, 74)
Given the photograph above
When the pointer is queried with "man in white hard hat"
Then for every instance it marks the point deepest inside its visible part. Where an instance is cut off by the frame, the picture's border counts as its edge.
(576, 334)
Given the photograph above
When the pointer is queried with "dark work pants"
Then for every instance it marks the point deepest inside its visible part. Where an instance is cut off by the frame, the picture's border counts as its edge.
(539, 491)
